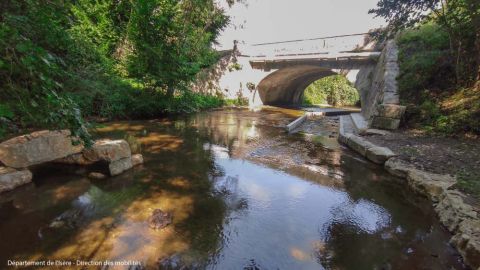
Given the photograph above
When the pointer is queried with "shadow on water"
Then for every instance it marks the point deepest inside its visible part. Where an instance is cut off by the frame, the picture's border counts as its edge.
(243, 194)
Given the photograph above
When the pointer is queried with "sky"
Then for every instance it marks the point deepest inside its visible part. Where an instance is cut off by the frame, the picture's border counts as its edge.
(278, 20)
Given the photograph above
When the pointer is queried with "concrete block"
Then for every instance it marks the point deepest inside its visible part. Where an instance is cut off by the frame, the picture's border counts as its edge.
(359, 121)
(343, 137)
(296, 123)
(390, 111)
(379, 154)
(385, 122)
(359, 144)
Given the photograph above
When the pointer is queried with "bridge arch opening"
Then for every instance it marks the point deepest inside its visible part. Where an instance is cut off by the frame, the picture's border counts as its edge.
(335, 90)
(286, 86)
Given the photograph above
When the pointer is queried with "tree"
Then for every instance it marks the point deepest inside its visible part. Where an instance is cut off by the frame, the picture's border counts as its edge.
(460, 18)
(172, 40)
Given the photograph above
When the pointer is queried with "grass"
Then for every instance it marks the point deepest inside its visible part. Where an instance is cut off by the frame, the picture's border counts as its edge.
(469, 182)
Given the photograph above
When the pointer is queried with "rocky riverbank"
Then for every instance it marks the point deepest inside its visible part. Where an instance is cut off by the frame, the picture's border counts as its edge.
(456, 210)
(22, 152)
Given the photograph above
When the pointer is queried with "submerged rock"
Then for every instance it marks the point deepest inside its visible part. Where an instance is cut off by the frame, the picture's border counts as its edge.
(119, 166)
(96, 175)
(159, 219)
(11, 178)
(137, 159)
(37, 147)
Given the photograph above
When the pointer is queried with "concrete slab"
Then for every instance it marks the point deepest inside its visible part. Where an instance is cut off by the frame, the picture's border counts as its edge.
(359, 121)
(296, 123)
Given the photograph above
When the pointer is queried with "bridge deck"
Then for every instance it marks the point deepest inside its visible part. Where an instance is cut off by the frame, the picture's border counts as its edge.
(331, 59)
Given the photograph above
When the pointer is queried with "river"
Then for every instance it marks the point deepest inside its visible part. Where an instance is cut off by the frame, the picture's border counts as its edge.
(243, 195)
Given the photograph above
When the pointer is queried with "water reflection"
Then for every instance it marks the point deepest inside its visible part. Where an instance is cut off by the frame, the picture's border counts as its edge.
(242, 193)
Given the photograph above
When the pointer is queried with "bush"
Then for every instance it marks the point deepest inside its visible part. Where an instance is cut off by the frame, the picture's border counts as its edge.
(63, 60)
(427, 84)
(424, 61)
(334, 90)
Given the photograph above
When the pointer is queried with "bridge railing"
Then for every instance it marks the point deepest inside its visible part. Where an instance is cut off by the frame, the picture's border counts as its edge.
(314, 47)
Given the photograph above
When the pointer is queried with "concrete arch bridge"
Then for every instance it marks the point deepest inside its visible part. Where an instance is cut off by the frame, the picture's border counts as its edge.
(277, 73)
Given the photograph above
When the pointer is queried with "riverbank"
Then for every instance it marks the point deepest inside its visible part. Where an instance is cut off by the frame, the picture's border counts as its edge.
(459, 157)
(419, 162)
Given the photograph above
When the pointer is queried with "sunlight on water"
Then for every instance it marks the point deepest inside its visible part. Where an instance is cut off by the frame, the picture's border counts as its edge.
(243, 195)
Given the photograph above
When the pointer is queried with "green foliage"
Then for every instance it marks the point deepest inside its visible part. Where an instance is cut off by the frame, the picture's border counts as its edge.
(61, 61)
(424, 61)
(5, 111)
(334, 90)
(240, 101)
(171, 40)
(234, 66)
(459, 19)
(469, 181)
(427, 83)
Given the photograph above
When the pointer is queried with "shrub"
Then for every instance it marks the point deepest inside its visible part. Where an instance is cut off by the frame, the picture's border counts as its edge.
(334, 90)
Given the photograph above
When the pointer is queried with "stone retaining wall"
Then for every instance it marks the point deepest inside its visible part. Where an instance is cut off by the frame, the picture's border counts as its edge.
(461, 218)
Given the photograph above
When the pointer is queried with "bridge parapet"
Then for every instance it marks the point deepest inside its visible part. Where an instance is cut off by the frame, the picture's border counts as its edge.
(314, 46)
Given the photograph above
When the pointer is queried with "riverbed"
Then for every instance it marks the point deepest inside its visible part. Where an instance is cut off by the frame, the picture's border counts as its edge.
(243, 194)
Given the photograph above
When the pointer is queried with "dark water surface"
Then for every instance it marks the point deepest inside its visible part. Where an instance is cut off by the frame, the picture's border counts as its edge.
(243, 194)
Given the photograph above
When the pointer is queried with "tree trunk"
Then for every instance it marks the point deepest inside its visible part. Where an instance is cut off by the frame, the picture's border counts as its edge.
(477, 50)
(474, 7)
(170, 91)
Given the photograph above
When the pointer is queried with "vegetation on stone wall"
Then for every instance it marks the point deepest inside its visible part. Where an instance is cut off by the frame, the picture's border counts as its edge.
(62, 61)
(439, 58)
(333, 90)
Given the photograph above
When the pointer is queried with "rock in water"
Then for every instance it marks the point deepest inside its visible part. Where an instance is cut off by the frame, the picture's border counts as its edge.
(96, 175)
(108, 150)
(11, 178)
(37, 147)
(119, 166)
(137, 159)
(159, 219)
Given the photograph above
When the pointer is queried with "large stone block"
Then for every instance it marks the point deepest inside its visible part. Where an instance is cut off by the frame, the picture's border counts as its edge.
(390, 111)
(137, 159)
(467, 242)
(11, 178)
(359, 144)
(343, 137)
(37, 147)
(379, 154)
(108, 150)
(431, 185)
(385, 122)
(118, 166)
(391, 97)
(398, 167)
(452, 209)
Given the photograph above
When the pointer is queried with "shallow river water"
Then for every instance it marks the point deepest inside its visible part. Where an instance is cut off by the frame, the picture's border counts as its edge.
(243, 195)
